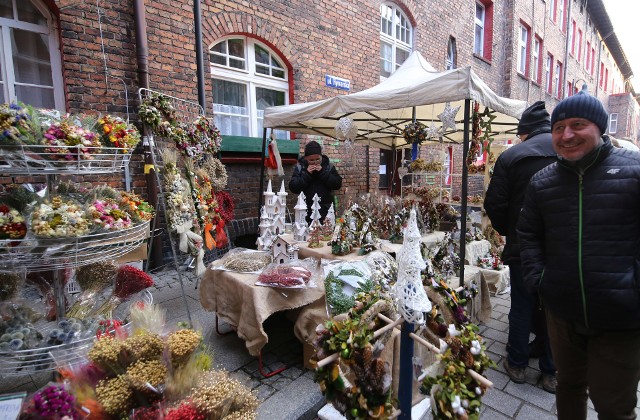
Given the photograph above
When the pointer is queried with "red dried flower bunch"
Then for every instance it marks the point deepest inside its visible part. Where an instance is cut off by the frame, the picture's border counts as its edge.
(185, 411)
(129, 281)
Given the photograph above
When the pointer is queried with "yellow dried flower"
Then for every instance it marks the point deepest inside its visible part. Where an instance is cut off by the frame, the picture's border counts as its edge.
(182, 344)
(142, 372)
(106, 353)
(115, 396)
(144, 346)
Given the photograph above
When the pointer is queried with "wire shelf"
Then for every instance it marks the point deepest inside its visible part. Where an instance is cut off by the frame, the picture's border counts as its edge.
(43, 160)
(51, 254)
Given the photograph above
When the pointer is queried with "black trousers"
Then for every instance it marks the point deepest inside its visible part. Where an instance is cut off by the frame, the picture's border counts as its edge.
(603, 365)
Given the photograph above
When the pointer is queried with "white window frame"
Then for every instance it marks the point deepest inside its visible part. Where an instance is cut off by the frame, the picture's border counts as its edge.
(613, 123)
(536, 59)
(399, 24)
(252, 80)
(552, 10)
(548, 73)
(523, 47)
(478, 44)
(558, 78)
(8, 83)
(450, 62)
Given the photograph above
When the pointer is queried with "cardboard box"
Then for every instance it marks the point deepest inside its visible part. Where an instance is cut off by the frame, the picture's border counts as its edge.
(138, 254)
(307, 352)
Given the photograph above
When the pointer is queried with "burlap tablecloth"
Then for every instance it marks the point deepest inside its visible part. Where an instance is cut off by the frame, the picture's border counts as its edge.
(497, 280)
(237, 300)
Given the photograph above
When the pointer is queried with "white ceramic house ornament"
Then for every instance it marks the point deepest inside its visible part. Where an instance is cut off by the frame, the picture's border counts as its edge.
(282, 251)
(410, 295)
(269, 200)
(315, 212)
(280, 211)
(300, 227)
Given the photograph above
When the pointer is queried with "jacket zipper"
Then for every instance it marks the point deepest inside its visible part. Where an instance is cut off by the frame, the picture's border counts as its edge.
(584, 300)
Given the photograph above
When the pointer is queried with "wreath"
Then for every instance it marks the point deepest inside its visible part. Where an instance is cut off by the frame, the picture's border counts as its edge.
(225, 206)
(415, 132)
(370, 394)
(216, 171)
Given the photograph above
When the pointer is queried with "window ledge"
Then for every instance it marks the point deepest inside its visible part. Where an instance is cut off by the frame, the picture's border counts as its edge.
(481, 58)
(522, 76)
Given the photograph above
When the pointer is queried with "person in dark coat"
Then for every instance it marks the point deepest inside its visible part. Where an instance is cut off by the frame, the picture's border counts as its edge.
(579, 233)
(503, 201)
(315, 174)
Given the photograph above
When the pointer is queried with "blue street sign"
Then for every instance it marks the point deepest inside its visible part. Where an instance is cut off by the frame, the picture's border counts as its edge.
(337, 82)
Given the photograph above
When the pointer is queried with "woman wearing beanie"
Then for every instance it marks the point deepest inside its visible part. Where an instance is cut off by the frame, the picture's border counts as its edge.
(315, 174)
(579, 233)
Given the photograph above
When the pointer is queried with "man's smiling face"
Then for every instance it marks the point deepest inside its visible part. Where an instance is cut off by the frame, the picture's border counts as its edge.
(573, 138)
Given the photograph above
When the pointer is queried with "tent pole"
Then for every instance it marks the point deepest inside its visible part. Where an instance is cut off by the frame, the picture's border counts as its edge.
(465, 180)
(261, 187)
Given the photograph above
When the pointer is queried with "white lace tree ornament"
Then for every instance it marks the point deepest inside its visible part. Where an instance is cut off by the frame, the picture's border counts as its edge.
(410, 295)
(315, 212)
(300, 228)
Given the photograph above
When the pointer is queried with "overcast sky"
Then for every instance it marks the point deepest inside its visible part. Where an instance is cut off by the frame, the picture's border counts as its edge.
(624, 15)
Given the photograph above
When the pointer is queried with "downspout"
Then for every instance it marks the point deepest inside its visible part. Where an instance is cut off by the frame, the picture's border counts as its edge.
(566, 50)
(142, 50)
(199, 56)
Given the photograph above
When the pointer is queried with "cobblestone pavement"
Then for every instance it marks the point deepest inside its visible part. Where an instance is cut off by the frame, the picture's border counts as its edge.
(292, 394)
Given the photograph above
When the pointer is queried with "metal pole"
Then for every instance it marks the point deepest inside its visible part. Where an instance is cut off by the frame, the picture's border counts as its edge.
(405, 385)
(199, 55)
(261, 186)
(465, 179)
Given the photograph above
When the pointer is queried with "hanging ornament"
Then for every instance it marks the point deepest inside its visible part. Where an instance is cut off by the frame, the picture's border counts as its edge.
(448, 117)
(346, 129)
(432, 131)
(411, 297)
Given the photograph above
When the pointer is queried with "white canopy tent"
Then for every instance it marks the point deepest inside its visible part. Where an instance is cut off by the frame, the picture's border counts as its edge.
(415, 91)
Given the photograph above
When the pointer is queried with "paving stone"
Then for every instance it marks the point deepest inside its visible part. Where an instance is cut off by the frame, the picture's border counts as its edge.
(528, 412)
(496, 335)
(497, 325)
(532, 394)
(501, 309)
(263, 392)
(490, 414)
(502, 402)
(498, 348)
(499, 379)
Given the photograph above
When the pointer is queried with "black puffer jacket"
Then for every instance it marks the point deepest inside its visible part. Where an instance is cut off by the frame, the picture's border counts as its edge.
(579, 234)
(511, 174)
(320, 182)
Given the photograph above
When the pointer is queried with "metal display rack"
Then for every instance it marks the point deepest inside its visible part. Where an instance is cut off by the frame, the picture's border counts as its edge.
(33, 254)
(185, 111)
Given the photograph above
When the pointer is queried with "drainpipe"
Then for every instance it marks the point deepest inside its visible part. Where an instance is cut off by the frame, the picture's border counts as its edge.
(199, 56)
(142, 49)
(566, 51)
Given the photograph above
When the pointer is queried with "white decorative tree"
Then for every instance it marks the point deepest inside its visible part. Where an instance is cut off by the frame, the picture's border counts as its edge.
(410, 295)
(300, 227)
(315, 212)
(330, 218)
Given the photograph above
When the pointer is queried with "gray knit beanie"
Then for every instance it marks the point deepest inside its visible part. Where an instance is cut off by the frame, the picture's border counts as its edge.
(581, 105)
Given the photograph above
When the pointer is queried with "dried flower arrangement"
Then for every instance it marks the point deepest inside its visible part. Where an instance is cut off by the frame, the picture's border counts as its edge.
(60, 218)
(116, 132)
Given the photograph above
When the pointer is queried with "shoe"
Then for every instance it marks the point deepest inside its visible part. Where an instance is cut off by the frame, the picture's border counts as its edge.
(536, 349)
(549, 383)
(515, 373)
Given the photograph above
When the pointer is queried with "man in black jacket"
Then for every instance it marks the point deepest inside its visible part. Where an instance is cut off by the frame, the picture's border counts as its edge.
(503, 201)
(579, 233)
(315, 174)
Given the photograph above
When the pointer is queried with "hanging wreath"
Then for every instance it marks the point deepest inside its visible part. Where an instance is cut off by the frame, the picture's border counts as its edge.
(226, 205)
(476, 132)
(217, 172)
(415, 132)
(207, 135)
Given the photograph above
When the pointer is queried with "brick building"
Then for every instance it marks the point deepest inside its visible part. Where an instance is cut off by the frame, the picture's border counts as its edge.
(82, 56)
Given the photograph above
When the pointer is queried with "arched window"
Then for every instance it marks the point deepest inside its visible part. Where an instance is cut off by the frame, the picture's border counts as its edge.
(29, 58)
(247, 78)
(451, 61)
(396, 37)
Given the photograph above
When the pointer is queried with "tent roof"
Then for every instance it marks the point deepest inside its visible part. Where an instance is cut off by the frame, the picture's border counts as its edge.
(381, 111)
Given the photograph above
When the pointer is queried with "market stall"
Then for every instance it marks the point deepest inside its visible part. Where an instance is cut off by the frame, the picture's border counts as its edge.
(414, 92)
